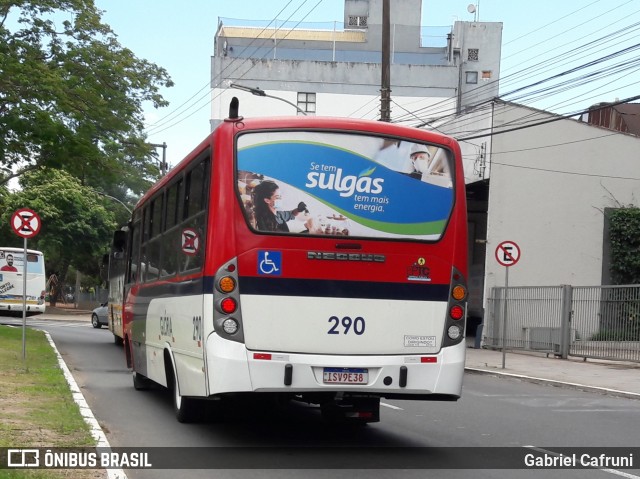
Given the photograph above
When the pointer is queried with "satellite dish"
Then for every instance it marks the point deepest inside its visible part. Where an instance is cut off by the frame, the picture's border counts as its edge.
(471, 8)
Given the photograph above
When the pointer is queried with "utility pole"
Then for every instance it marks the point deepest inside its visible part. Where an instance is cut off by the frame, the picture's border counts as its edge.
(385, 90)
(163, 165)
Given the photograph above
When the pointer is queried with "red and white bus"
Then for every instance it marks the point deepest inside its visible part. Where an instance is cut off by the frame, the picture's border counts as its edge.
(115, 263)
(319, 259)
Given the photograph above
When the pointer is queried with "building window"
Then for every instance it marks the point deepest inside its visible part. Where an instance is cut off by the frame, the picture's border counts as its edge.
(472, 77)
(307, 103)
(473, 54)
(357, 21)
(486, 75)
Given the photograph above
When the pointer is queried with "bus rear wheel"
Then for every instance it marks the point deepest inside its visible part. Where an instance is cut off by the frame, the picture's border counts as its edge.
(140, 382)
(186, 408)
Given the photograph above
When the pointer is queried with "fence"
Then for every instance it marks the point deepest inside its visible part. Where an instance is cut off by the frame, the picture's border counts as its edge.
(600, 322)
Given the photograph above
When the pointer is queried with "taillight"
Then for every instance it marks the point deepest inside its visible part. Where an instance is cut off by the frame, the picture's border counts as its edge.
(227, 318)
(228, 305)
(456, 312)
(459, 292)
(457, 306)
(226, 284)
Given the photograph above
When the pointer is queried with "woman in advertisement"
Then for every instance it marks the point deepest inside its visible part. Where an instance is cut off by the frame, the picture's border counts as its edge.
(267, 210)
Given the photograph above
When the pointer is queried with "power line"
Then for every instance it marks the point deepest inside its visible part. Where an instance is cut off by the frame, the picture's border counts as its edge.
(246, 60)
(163, 121)
(536, 69)
(549, 120)
(575, 173)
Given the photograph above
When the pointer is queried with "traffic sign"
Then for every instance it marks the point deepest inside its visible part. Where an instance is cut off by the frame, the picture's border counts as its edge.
(25, 223)
(508, 253)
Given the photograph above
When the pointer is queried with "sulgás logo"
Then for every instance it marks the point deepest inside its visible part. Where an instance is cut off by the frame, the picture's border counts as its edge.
(347, 185)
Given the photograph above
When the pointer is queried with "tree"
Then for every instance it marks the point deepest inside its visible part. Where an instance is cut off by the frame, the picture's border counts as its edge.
(71, 97)
(76, 229)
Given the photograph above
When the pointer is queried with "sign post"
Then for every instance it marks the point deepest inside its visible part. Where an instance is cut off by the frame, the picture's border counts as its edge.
(507, 254)
(26, 224)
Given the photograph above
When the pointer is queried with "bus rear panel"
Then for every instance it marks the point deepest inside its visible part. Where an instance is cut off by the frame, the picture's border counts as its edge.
(351, 291)
(332, 267)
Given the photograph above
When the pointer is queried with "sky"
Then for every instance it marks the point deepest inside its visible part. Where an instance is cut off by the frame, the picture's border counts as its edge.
(540, 39)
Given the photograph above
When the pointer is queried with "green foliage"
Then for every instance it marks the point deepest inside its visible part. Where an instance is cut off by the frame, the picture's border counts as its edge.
(71, 97)
(76, 228)
(617, 335)
(625, 245)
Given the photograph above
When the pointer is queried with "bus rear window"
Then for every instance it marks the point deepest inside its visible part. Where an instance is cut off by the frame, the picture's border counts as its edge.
(343, 184)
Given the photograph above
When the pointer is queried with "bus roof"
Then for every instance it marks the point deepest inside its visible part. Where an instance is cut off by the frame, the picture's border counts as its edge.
(20, 250)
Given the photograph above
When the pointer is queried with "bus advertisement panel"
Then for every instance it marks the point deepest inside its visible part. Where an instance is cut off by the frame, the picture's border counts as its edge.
(355, 185)
(12, 280)
(315, 259)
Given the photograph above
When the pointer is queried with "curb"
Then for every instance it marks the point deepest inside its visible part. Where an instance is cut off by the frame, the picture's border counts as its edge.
(96, 431)
(553, 382)
(64, 311)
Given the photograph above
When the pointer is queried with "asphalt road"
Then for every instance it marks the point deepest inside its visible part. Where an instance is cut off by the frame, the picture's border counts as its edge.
(493, 412)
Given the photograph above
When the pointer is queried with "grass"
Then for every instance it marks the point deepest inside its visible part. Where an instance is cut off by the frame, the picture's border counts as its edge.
(36, 405)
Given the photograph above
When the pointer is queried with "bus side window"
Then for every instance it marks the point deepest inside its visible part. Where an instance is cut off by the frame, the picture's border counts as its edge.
(195, 218)
(156, 216)
(173, 203)
(172, 233)
(135, 253)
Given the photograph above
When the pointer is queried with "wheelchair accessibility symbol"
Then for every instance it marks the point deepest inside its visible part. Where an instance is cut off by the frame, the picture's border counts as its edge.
(269, 262)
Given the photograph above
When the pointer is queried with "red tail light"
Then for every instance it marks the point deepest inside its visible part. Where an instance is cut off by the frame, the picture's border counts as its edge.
(228, 305)
(457, 312)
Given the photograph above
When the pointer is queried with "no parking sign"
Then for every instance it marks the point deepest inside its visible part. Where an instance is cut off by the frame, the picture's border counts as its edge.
(508, 253)
(26, 224)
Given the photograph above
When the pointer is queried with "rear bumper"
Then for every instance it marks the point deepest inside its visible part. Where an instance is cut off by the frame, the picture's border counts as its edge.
(232, 369)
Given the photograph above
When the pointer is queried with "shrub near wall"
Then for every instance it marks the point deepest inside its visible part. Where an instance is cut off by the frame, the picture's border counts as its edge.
(624, 234)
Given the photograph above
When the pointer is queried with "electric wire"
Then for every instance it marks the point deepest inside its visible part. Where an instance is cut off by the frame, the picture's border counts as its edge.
(210, 100)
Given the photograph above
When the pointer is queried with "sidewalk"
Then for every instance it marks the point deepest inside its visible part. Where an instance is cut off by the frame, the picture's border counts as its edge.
(608, 377)
(65, 310)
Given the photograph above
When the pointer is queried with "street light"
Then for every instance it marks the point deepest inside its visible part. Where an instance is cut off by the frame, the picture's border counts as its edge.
(113, 198)
(260, 92)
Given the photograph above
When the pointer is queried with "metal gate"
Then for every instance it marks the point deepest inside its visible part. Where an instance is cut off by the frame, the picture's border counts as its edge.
(600, 322)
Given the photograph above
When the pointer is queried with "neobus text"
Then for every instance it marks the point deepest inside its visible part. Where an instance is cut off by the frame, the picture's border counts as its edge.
(374, 258)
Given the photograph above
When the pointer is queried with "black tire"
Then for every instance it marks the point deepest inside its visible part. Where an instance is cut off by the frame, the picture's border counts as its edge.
(140, 382)
(186, 408)
(95, 322)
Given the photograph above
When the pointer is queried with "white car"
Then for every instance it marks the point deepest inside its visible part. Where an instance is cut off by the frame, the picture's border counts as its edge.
(99, 316)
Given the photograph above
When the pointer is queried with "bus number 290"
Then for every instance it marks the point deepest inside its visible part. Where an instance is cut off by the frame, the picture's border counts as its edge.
(346, 324)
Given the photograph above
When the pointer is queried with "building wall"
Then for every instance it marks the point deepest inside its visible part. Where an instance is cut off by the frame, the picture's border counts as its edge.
(328, 104)
(420, 76)
(556, 218)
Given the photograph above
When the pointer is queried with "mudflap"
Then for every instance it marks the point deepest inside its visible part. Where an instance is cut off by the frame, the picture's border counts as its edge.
(352, 410)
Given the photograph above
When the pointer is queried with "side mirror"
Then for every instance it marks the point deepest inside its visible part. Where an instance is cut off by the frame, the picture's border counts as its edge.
(119, 240)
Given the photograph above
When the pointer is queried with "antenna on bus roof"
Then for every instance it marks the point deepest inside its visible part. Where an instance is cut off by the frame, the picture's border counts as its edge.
(234, 108)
